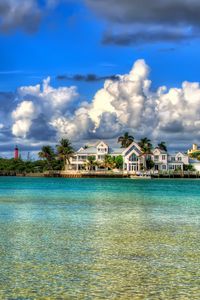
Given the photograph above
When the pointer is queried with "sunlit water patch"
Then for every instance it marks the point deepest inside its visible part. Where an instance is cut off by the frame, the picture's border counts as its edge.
(99, 239)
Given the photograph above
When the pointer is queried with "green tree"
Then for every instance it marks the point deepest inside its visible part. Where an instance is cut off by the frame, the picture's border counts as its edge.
(162, 146)
(109, 162)
(119, 162)
(47, 153)
(146, 147)
(65, 151)
(195, 155)
(91, 162)
(189, 168)
(125, 140)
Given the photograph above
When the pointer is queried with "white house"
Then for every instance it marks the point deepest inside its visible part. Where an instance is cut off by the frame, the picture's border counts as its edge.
(133, 159)
(164, 161)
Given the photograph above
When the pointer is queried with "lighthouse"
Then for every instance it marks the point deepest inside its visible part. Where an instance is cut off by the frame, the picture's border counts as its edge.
(16, 153)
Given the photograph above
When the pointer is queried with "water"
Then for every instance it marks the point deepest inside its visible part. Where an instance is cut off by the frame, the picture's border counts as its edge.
(99, 239)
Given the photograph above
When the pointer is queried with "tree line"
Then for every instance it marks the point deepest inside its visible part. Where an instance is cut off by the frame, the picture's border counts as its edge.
(55, 158)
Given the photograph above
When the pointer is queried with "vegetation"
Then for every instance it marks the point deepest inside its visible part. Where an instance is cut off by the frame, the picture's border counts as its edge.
(195, 155)
(20, 166)
(91, 163)
(55, 159)
(190, 168)
(48, 154)
(162, 146)
(65, 151)
(125, 140)
(146, 147)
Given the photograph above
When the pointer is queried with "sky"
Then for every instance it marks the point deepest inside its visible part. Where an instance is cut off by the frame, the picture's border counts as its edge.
(93, 69)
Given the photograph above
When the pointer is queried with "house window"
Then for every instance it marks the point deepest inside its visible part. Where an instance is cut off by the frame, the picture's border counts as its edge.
(133, 157)
(173, 158)
(163, 157)
(101, 157)
(179, 158)
(156, 157)
(164, 167)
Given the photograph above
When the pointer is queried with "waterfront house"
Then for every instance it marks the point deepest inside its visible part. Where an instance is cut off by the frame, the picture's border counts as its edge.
(133, 158)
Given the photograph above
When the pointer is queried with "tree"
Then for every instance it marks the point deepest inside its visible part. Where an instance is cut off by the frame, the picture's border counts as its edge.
(48, 154)
(65, 151)
(190, 168)
(91, 162)
(146, 147)
(125, 140)
(109, 162)
(162, 146)
(195, 155)
(119, 162)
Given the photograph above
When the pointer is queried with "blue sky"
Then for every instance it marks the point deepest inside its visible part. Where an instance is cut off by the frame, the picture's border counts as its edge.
(68, 41)
(70, 38)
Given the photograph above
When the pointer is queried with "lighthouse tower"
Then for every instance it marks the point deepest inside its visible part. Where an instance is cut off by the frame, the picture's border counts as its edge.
(16, 153)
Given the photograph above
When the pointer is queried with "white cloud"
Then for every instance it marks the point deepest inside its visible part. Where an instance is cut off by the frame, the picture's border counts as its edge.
(124, 104)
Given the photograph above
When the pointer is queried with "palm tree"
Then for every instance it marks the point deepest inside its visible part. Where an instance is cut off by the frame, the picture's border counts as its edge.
(125, 140)
(91, 162)
(146, 147)
(48, 154)
(109, 162)
(162, 146)
(65, 151)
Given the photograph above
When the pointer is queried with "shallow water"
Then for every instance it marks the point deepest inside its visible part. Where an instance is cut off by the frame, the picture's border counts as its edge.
(99, 239)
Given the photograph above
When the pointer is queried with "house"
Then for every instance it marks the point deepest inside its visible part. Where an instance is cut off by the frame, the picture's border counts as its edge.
(194, 149)
(133, 158)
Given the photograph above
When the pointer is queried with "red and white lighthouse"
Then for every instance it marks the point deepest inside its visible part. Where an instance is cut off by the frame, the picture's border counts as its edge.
(16, 153)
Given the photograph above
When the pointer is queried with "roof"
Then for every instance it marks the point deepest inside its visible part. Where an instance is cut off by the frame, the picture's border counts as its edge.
(89, 150)
(116, 150)
(194, 161)
(160, 150)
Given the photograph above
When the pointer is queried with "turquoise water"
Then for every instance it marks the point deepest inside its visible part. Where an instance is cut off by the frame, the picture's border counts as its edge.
(99, 239)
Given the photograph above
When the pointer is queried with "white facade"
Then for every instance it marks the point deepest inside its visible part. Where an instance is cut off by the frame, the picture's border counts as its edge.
(165, 162)
(133, 159)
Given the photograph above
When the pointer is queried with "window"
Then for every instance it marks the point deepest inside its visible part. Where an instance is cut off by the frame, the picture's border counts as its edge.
(133, 157)
(173, 158)
(163, 157)
(179, 158)
(156, 157)
(101, 157)
(164, 167)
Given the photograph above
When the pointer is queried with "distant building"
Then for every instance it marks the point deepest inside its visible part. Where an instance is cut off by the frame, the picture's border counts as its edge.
(193, 158)
(16, 153)
(194, 149)
(133, 158)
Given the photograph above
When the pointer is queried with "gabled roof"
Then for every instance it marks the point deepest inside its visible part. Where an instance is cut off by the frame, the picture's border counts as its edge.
(160, 150)
(178, 153)
(133, 147)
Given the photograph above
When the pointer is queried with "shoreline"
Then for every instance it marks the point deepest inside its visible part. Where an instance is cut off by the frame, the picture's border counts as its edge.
(65, 174)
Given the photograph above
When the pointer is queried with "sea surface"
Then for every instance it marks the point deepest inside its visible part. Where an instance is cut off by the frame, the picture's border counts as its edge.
(99, 239)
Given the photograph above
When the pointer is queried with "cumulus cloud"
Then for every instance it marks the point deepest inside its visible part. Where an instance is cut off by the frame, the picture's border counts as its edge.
(144, 21)
(44, 113)
(40, 109)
